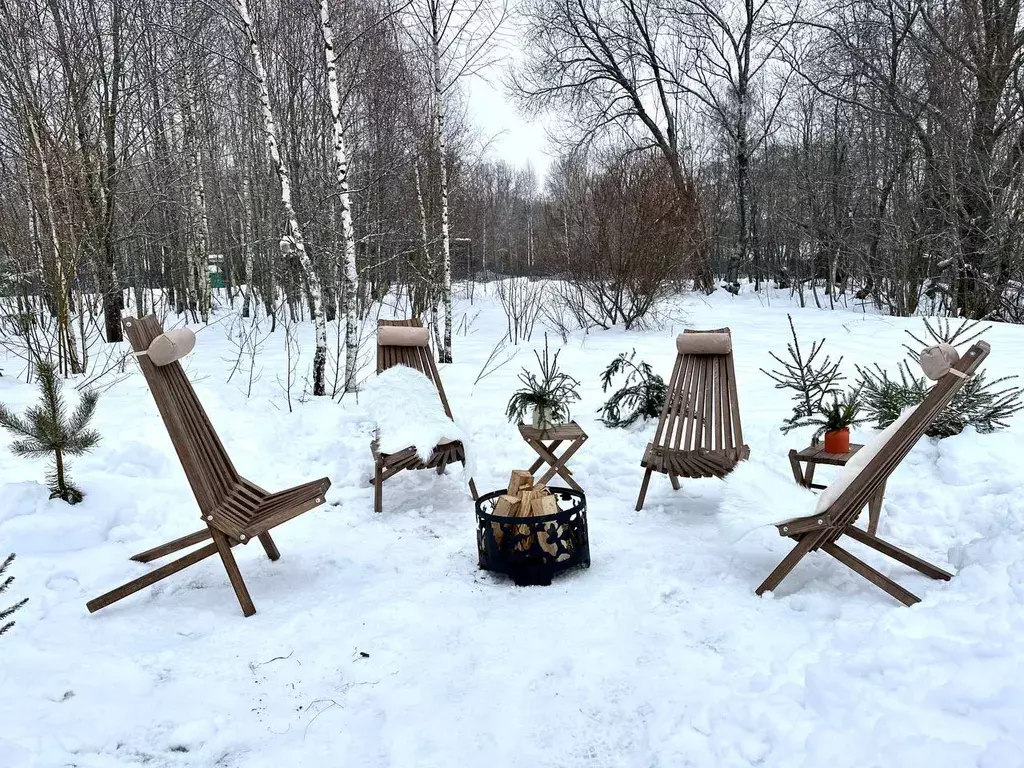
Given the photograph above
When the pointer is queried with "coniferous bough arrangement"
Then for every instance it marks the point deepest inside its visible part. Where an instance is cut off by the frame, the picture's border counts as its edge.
(978, 403)
(548, 394)
(46, 430)
(880, 398)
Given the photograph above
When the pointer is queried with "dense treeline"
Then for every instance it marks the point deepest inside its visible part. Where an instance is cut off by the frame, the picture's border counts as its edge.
(317, 154)
(874, 145)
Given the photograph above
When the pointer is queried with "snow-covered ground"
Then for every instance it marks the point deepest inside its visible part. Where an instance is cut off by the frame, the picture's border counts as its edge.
(377, 642)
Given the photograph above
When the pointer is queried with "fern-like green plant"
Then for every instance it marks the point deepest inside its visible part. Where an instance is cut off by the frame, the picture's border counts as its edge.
(642, 393)
(46, 430)
(5, 584)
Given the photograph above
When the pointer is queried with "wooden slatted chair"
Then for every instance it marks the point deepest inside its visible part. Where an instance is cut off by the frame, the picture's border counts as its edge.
(851, 493)
(699, 432)
(413, 350)
(234, 510)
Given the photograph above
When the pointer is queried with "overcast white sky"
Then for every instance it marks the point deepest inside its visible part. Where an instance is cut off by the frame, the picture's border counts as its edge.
(513, 138)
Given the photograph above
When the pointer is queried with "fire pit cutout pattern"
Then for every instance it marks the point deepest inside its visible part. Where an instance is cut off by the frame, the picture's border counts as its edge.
(533, 549)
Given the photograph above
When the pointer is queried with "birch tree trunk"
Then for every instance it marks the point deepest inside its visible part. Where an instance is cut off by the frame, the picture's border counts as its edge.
(199, 223)
(349, 275)
(294, 236)
(444, 352)
(247, 235)
(202, 238)
(431, 302)
(67, 355)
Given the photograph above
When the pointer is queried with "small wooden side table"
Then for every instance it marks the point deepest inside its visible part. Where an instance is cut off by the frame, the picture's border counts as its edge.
(546, 441)
(813, 455)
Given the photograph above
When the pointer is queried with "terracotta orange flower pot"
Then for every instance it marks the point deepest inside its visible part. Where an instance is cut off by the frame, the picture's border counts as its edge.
(838, 441)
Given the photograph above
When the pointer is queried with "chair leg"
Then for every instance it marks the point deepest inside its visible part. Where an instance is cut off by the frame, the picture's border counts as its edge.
(269, 546)
(643, 490)
(378, 486)
(869, 573)
(234, 575)
(875, 510)
(897, 554)
(151, 578)
(675, 482)
(803, 546)
(171, 546)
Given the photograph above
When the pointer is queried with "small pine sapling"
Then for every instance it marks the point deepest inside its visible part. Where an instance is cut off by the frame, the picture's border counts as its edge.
(810, 379)
(5, 584)
(642, 394)
(47, 431)
(978, 402)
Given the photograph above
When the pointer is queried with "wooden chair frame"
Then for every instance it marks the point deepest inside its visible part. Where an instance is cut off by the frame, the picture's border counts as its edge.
(234, 510)
(699, 432)
(822, 531)
(387, 465)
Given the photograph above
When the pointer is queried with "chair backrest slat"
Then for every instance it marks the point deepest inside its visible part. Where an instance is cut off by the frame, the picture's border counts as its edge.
(734, 404)
(665, 421)
(721, 396)
(206, 464)
(420, 358)
(682, 403)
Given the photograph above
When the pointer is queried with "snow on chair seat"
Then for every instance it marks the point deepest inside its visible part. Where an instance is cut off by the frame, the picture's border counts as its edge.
(418, 357)
(837, 512)
(234, 510)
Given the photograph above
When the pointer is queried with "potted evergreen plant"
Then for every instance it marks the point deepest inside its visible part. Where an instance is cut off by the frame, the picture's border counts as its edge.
(547, 394)
(835, 420)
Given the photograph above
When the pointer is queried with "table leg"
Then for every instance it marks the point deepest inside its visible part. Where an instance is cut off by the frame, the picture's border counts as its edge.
(539, 462)
(558, 464)
(798, 472)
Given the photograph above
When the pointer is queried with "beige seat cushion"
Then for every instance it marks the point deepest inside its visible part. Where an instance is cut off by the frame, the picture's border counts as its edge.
(171, 345)
(402, 336)
(704, 343)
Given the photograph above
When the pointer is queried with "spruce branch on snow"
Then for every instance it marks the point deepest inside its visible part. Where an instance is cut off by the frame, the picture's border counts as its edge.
(5, 584)
(642, 393)
(47, 430)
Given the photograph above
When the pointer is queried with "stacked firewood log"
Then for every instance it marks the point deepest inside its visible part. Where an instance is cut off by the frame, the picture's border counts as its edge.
(524, 499)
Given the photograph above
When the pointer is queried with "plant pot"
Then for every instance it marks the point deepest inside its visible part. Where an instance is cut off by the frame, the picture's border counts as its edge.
(543, 417)
(838, 441)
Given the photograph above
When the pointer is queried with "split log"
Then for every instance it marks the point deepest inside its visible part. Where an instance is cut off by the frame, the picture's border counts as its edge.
(521, 480)
(506, 506)
(524, 499)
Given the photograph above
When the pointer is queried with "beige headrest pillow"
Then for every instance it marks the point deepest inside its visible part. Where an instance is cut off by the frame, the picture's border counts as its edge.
(704, 343)
(170, 346)
(939, 360)
(402, 336)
